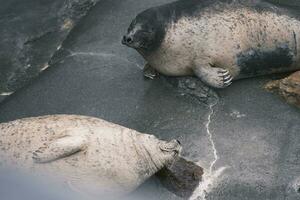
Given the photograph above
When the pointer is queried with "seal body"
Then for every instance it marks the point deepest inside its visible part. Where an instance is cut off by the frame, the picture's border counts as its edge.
(217, 40)
(91, 155)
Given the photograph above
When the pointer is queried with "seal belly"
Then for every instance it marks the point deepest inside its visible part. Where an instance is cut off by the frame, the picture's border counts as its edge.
(171, 62)
(173, 68)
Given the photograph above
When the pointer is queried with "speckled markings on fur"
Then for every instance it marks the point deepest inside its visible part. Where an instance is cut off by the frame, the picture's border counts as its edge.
(91, 154)
(221, 40)
(218, 39)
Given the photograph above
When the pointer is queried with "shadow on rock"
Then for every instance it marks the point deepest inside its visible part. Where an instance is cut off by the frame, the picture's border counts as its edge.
(193, 87)
(33, 32)
(181, 178)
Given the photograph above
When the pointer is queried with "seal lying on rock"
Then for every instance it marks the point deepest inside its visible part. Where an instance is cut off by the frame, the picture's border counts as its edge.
(217, 40)
(94, 156)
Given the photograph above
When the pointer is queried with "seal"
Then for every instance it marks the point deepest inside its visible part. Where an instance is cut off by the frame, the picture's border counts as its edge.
(93, 156)
(217, 40)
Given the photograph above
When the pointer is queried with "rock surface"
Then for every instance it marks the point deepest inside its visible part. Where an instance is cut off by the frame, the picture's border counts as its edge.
(30, 35)
(288, 88)
(256, 135)
(181, 178)
(286, 2)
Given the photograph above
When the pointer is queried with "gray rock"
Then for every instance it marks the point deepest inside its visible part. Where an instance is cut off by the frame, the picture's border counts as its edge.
(256, 135)
(30, 35)
(286, 2)
(182, 177)
(193, 87)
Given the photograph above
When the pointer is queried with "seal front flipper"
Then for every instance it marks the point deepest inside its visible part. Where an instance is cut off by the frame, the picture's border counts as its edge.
(60, 148)
(212, 76)
(149, 72)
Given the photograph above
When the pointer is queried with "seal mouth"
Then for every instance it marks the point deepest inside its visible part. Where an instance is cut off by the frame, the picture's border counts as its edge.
(128, 40)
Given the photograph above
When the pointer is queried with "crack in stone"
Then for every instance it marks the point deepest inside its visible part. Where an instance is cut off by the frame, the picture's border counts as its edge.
(210, 136)
(207, 184)
(209, 178)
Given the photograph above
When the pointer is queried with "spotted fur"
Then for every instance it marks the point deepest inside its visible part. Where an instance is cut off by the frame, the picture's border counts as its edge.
(220, 40)
(90, 154)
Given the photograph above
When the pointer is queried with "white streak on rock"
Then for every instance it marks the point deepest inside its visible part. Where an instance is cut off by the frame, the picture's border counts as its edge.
(59, 47)
(207, 184)
(6, 93)
(103, 55)
(211, 176)
(210, 137)
(45, 67)
(237, 114)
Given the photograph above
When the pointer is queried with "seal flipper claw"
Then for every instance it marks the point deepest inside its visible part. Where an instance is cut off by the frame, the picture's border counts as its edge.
(213, 76)
(59, 148)
(227, 77)
(149, 72)
(229, 81)
(225, 73)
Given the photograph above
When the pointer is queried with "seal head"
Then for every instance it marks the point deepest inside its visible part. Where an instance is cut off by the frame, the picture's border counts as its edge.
(161, 152)
(145, 32)
(204, 38)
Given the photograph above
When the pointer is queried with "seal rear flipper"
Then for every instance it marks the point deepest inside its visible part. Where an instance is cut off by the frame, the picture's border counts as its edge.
(149, 72)
(59, 148)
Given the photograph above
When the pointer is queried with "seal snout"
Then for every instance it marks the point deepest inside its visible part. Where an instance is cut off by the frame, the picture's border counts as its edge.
(127, 40)
(172, 146)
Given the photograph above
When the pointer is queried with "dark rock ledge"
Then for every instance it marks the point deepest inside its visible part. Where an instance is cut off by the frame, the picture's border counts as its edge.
(32, 31)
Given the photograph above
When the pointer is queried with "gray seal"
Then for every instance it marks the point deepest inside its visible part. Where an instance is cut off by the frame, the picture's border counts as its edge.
(217, 40)
(93, 156)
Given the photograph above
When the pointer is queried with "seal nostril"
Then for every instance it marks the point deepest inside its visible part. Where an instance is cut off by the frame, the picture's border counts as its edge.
(178, 141)
(129, 40)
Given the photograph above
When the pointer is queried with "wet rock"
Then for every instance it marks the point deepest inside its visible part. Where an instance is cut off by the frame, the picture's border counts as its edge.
(286, 2)
(33, 32)
(296, 185)
(259, 148)
(193, 87)
(293, 189)
(181, 178)
(288, 88)
(297, 188)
